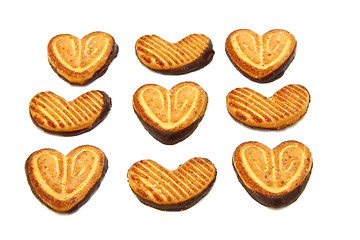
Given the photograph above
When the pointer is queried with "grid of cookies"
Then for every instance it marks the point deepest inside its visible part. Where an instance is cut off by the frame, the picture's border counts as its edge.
(273, 177)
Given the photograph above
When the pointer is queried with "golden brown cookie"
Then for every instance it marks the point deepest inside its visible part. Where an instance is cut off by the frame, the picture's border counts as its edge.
(175, 190)
(55, 115)
(65, 182)
(81, 61)
(189, 54)
(273, 177)
(283, 108)
(172, 115)
(261, 58)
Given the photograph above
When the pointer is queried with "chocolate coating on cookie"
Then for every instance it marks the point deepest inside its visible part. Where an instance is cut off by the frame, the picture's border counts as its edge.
(169, 137)
(276, 201)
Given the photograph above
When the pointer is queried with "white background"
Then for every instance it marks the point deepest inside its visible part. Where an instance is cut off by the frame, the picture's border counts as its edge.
(326, 64)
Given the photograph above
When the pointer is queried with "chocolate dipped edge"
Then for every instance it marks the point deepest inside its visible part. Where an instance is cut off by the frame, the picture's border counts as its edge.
(103, 114)
(79, 204)
(204, 59)
(269, 128)
(181, 205)
(98, 73)
(169, 137)
(278, 73)
(278, 201)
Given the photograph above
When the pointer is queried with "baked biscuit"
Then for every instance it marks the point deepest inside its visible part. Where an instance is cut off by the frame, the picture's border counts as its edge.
(55, 115)
(273, 177)
(283, 108)
(189, 54)
(176, 190)
(261, 58)
(172, 115)
(81, 61)
(65, 182)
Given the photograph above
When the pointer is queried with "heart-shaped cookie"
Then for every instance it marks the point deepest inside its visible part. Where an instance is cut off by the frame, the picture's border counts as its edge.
(64, 183)
(283, 108)
(175, 190)
(261, 58)
(172, 115)
(189, 54)
(273, 177)
(81, 61)
(55, 115)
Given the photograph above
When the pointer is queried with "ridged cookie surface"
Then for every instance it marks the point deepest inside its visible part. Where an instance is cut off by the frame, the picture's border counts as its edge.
(172, 115)
(65, 182)
(283, 108)
(174, 190)
(261, 58)
(81, 61)
(55, 115)
(274, 177)
(189, 54)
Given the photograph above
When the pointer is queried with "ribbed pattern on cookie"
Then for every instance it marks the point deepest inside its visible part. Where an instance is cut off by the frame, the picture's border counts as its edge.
(161, 54)
(157, 184)
(55, 113)
(286, 106)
